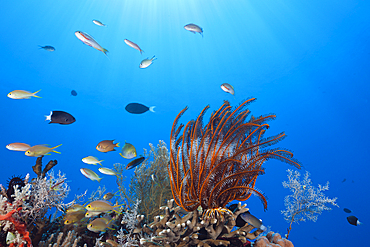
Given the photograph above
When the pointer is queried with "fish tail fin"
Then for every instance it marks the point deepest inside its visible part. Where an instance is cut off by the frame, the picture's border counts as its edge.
(55, 148)
(34, 94)
(98, 179)
(141, 51)
(117, 144)
(152, 108)
(48, 117)
(105, 51)
(153, 58)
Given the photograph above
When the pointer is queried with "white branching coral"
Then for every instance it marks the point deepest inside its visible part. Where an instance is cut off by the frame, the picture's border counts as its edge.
(130, 219)
(47, 193)
(306, 202)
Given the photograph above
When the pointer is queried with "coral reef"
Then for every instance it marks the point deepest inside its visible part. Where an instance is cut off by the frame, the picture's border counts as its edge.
(272, 240)
(306, 202)
(175, 228)
(206, 168)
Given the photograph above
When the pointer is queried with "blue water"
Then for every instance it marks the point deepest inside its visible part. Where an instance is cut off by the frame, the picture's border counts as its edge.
(305, 61)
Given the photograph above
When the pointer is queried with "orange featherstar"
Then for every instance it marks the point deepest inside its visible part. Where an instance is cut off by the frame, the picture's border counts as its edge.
(217, 163)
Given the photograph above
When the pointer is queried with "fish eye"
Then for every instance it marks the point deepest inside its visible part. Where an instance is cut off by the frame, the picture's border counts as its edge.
(67, 221)
(88, 206)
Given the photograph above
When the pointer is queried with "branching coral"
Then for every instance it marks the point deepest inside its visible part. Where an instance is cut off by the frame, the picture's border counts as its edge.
(151, 178)
(220, 162)
(70, 240)
(47, 193)
(306, 202)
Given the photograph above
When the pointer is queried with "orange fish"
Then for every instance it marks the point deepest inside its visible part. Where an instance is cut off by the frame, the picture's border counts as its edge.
(106, 146)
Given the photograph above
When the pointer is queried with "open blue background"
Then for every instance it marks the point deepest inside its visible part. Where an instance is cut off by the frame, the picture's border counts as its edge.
(305, 61)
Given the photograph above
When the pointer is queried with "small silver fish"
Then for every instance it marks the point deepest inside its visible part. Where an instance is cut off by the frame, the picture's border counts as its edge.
(228, 88)
(90, 174)
(133, 45)
(107, 171)
(146, 62)
(90, 41)
(194, 28)
(99, 23)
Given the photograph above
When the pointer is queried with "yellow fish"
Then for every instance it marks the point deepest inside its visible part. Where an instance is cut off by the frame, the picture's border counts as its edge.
(90, 214)
(91, 160)
(101, 206)
(73, 217)
(107, 171)
(75, 208)
(39, 150)
(22, 94)
(99, 225)
(128, 151)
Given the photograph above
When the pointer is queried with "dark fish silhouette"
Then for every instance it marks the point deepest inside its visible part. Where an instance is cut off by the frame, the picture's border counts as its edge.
(47, 47)
(73, 93)
(347, 210)
(353, 220)
(134, 163)
(252, 220)
(60, 117)
(344, 180)
(136, 108)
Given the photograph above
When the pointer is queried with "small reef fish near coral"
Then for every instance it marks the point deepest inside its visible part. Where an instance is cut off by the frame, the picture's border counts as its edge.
(18, 146)
(128, 151)
(106, 146)
(60, 117)
(40, 150)
(91, 160)
(22, 94)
